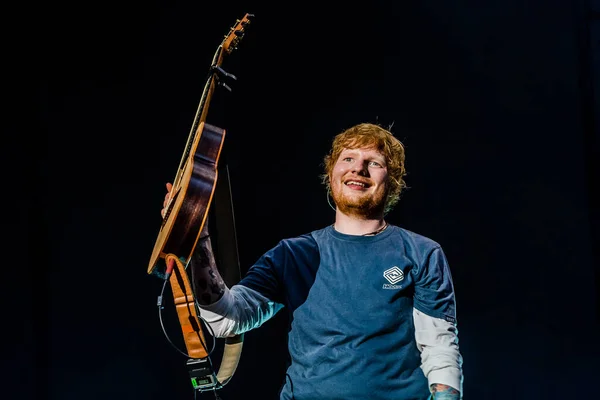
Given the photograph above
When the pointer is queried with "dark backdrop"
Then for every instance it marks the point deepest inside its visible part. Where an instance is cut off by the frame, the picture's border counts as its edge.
(494, 101)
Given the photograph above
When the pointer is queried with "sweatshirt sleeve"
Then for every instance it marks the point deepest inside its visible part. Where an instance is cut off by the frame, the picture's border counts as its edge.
(239, 310)
(434, 317)
(437, 340)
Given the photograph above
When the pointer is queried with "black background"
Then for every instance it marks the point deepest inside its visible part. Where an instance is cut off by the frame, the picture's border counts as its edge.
(494, 101)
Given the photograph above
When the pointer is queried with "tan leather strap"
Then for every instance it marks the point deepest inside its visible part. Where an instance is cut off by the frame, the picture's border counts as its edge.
(190, 324)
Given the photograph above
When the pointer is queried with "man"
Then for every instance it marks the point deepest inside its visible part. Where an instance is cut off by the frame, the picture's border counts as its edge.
(371, 305)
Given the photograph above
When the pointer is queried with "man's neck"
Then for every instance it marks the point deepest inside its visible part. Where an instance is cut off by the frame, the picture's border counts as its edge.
(352, 225)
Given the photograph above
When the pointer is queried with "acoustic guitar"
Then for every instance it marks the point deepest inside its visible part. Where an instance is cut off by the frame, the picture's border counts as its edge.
(196, 178)
(190, 200)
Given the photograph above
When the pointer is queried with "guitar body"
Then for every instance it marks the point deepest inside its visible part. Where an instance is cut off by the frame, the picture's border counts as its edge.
(191, 197)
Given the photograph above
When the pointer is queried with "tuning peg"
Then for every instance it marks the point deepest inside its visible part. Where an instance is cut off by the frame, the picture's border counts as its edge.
(221, 72)
(223, 84)
(236, 41)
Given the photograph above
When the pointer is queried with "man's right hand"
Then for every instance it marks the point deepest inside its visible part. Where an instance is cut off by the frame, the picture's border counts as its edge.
(163, 212)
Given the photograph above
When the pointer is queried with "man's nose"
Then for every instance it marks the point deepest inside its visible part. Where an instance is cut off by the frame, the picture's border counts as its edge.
(360, 167)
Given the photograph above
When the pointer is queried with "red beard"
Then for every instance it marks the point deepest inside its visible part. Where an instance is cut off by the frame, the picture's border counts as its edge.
(362, 205)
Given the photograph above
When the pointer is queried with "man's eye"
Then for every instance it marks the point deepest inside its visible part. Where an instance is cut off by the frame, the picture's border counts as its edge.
(375, 163)
(348, 159)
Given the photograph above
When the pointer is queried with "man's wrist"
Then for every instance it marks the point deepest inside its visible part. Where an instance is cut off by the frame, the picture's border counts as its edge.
(443, 392)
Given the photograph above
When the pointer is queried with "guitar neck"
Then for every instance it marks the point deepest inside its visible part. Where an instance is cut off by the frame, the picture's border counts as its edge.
(201, 112)
(230, 42)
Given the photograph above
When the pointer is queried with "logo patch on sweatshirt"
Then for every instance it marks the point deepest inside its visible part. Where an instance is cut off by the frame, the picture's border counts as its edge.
(393, 276)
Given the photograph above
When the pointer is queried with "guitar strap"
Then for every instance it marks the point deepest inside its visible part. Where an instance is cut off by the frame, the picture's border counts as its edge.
(184, 299)
(192, 330)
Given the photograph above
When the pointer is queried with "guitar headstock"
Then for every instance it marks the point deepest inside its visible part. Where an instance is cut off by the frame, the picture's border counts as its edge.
(236, 33)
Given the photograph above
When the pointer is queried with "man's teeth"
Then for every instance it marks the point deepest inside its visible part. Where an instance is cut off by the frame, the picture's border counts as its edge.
(355, 183)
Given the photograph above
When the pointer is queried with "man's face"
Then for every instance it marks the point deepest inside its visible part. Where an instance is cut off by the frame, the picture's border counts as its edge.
(358, 182)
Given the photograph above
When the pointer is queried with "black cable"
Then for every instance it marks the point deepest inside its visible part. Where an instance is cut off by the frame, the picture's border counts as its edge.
(199, 316)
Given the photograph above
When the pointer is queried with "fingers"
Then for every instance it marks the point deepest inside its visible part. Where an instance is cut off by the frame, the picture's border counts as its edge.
(169, 186)
(168, 194)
